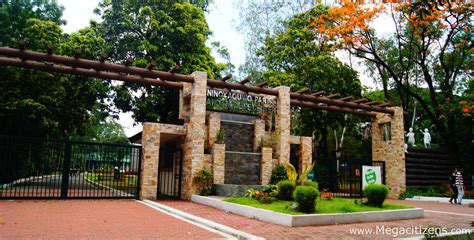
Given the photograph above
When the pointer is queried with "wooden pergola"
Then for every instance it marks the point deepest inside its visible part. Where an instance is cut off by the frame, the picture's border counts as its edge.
(171, 79)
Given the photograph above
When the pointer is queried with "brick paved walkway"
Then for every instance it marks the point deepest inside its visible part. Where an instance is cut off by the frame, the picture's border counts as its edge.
(92, 219)
(272, 231)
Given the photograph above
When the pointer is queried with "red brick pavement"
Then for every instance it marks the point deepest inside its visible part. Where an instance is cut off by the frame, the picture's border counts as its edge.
(272, 231)
(92, 219)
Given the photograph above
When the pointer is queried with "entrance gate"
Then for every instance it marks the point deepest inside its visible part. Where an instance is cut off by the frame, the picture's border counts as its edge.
(170, 170)
(343, 176)
(38, 168)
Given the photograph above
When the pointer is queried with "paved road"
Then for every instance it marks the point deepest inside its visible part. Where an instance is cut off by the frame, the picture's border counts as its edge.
(92, 219)
(449, 218)
(50, 186)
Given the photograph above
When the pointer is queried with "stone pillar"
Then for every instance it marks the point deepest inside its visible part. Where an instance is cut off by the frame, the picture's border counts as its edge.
(194, 142)
(214, 126)
(391, 150)
(266, 166)
(218, 156)
(149, 165)
(184, 98)
(282, 125)
(306, 151)
(259, 133)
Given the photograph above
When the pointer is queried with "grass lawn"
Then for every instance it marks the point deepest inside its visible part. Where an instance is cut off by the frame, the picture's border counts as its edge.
(124, 183)
(336, 205)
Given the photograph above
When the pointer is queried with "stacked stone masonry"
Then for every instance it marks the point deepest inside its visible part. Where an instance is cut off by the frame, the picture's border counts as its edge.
(390, 151)
(253, 166)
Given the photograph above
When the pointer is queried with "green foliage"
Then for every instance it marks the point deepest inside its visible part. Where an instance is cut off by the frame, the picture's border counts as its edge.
(337, 205)
(266, 195)
(15, 14)
(47, 104)
(375, 194)
(105, 131)
(258, 20)
(285, 189)
(293, 175)
(168, 32)
(306, 196)
(271, 189)
(287, 56)
(311, 184)
(278, 174)
(429, 191)
(221, 136)
(204, 180)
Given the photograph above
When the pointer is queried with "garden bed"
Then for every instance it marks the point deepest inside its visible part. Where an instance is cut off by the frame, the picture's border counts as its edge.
(328, 213)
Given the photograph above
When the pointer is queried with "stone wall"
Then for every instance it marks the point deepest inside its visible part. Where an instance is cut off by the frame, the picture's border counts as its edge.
(390, 151)
(242, 168)
(266, 166)
(218, 156)
(151, 140)
(306, 155)
(282, 125)
(194, 142)
(259, 134)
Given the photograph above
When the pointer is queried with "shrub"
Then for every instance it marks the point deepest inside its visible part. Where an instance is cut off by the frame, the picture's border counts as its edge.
(376, 194)
(263, 197)
(285, 190)
(271, 190)
(204, 180)
(306, 196)
(278, 174)
(311, 184)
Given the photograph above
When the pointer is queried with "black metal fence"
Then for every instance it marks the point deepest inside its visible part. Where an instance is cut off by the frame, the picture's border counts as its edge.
(39, 168)
(343, 176)
(170, 171)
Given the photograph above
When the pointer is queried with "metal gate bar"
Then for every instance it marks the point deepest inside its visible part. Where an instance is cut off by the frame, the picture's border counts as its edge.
(44, 168)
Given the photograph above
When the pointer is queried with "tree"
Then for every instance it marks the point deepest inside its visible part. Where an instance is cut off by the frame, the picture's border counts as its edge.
(430, 49)
(257, 21)
(293, 59)
(43, 104)
(168, 32)
(14, 15)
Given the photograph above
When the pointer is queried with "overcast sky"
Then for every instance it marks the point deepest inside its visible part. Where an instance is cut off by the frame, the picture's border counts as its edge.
(221, 19)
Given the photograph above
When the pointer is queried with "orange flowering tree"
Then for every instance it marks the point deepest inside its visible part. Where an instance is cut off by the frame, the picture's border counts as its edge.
(430, 50)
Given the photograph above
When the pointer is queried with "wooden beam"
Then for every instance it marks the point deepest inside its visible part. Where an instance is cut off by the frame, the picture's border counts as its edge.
(227, 77)
(21, 45)
(246, 80)
(360, 100)
(371, 103)
(262, 84)
(383, 105)
(175, 69)
(77, 53)
(341, 104)
(345, 98)
(318, 93)
(49, 49)
(303, 90)
(334, 95)
(90, 64)
(331, 108)
(151, 65)
(103, 57)
(88, 73)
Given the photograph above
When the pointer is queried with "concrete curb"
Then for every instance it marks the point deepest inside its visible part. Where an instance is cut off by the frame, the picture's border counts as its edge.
(122, 193)
(213, 225)
(438, 199)
(309, 219)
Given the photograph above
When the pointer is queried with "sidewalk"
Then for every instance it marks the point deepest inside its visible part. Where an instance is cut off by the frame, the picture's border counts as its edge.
(92, 219)
(453, 220)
